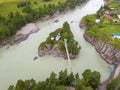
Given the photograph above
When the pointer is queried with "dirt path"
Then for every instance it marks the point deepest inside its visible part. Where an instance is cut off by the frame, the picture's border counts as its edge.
(117, 71)
(70, 88)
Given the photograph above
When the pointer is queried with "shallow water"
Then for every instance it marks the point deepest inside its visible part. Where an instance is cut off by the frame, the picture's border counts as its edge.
(17, 62)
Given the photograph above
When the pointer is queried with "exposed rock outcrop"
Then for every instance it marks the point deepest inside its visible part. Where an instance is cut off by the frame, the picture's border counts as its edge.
(106, 50)
(82, 25)
(54, 51)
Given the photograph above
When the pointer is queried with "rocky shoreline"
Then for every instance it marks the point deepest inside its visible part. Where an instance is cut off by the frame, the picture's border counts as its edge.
(19, 38)
(23, 35)
(108, 52)
(57, 13)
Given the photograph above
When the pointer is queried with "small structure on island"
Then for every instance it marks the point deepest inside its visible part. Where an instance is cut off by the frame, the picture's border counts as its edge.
(52, 38)
(116, 35)
(58, 37)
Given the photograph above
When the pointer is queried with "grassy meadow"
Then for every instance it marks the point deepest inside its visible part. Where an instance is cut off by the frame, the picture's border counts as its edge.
(110, 29)
(6, 6)
(4, 1)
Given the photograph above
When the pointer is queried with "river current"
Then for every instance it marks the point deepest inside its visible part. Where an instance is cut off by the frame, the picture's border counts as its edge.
(17, 61)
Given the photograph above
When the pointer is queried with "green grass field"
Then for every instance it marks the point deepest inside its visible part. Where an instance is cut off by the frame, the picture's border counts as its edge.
(6, 6)
(110, 29)
(4, 1)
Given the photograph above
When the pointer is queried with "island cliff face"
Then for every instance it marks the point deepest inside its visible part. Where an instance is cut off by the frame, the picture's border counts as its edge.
(55, 51)
(106, 50)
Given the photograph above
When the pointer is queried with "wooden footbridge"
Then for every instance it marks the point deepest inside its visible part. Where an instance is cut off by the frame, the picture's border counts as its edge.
(68, 56)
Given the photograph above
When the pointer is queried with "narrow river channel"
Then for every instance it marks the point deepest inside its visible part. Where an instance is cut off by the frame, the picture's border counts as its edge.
(17, 62)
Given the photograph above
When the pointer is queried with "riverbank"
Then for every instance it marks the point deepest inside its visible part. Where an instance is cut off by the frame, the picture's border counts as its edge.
(11, 23)
(108, 52)
(17, 62)
(21, 35)
(98, 32)
(57, 13)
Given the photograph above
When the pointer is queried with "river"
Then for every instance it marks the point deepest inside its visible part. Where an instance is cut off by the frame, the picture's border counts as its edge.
(17, 62)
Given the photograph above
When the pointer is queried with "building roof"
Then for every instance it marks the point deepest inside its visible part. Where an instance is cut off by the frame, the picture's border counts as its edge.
(97, 20)
(106, 12)
(109, 17)
(52, 38)
(117, 0)
(116, 34)
(57, 37)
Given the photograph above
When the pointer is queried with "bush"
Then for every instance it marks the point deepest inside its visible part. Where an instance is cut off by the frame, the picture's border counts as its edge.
(21, 4)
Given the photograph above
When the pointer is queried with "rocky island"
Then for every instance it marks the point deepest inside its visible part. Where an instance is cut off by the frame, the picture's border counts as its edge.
(54, 44)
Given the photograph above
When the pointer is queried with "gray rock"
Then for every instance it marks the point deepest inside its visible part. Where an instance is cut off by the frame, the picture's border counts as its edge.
(108, 52)
(35, 58)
